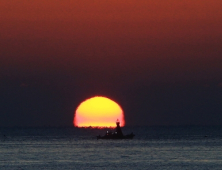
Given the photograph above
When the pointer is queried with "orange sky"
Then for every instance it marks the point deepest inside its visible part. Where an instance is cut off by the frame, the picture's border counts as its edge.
(51, 35)
(99, 20)
(92, 46)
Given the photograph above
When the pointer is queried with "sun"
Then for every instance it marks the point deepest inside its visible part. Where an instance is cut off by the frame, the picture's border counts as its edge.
(98, 111)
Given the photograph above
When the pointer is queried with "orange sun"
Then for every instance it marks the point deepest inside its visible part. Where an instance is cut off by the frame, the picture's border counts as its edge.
(98, 112)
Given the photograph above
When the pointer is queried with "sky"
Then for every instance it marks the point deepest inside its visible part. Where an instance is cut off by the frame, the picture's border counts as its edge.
(160, 60)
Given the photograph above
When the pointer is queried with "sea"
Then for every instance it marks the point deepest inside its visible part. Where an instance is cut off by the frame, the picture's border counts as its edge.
(153, 148)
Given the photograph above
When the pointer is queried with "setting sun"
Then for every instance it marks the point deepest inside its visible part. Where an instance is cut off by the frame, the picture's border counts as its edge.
(98, 112)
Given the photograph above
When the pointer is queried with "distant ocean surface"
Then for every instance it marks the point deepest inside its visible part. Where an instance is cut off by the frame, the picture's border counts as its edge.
(153, 148)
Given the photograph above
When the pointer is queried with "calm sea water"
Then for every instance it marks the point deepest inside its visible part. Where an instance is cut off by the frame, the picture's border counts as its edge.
(153, 148)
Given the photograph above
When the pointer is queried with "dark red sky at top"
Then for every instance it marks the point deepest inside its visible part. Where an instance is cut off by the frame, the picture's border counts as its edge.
(113, 47)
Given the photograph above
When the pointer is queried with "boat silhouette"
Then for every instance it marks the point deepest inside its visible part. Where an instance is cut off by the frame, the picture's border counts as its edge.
(118, 134)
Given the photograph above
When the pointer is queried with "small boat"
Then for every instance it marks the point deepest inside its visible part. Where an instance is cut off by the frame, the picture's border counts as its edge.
(117, 134)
